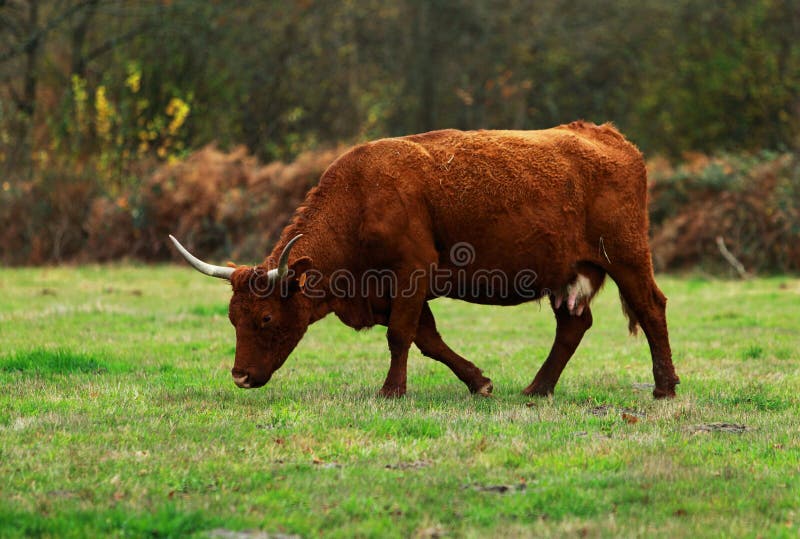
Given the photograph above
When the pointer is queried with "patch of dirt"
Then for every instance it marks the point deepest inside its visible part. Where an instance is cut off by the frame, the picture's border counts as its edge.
(596, 435)
(720, 427)
(64, 494)
(500, 489)
(415, 465)
(319, 463)
(629, 415)
(600, 411)
(432, 532)
(222, 533)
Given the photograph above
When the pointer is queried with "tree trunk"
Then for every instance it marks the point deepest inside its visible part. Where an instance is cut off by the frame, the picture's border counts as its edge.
(20, 159)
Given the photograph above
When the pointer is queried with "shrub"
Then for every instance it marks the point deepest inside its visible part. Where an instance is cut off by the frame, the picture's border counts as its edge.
(752, 203)
(42, 221)
(228, 206)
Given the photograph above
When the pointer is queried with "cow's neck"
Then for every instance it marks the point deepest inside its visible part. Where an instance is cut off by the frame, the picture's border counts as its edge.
(329, 233)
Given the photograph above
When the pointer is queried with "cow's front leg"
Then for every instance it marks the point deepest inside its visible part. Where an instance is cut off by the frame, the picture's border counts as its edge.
(402, 330)
(430, 343)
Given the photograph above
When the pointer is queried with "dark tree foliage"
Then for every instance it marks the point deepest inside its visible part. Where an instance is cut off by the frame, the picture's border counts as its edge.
(281, 77)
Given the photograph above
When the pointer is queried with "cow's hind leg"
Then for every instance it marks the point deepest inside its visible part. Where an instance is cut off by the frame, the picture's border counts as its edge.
(648, 304)
(569, 332)
(430, 343)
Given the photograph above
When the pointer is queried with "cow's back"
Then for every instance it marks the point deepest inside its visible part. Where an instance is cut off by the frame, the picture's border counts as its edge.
(531, 197)
(506, 168)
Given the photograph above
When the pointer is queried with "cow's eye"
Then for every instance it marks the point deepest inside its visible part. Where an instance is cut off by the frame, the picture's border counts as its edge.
(265, 320)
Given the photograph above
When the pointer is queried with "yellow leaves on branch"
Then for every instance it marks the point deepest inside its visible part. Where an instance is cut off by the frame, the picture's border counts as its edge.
(128, 128)
(134, 80)
(104, 113)
(178, 109)
(80, 96)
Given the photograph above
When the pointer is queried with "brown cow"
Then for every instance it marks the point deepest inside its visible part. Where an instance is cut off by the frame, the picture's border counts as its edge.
(478, 216)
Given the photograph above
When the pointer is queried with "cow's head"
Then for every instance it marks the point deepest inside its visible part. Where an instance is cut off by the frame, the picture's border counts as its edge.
(268, 310)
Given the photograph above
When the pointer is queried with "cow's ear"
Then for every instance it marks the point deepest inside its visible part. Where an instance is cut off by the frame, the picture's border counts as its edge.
(297, 272)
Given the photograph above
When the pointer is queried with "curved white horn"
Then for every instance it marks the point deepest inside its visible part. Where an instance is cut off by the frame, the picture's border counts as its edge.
(283, 263)
(203, 267)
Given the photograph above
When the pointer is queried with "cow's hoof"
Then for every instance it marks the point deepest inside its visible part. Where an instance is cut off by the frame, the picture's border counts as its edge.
(659, 393)
(536, 390)
(392, 392)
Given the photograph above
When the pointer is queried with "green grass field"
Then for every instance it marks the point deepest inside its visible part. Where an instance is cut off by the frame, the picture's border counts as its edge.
(118, 417)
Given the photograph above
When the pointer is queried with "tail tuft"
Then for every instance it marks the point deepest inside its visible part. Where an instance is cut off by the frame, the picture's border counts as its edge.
(633, 322)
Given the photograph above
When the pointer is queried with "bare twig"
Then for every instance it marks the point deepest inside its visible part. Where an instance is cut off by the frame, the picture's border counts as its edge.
(38, 33)
(113, 42)
(728, 256)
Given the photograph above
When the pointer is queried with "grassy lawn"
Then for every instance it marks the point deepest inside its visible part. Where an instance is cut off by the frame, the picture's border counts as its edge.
(118, 417)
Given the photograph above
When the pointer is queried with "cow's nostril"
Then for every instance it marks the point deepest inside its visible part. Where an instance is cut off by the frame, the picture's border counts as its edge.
(240, 380)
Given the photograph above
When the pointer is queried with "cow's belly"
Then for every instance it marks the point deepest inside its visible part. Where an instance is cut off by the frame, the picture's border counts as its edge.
(509, 259)
(489, 286)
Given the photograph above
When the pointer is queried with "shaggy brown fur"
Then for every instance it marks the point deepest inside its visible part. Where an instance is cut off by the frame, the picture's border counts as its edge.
(567, 203)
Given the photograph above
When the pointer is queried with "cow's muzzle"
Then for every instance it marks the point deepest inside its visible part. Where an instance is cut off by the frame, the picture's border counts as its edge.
(245, 381)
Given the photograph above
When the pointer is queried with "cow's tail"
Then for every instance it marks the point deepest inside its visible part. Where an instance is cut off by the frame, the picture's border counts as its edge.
(633, 322)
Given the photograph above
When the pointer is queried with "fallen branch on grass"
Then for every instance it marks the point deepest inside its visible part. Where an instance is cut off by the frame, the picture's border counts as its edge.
(728, 256)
